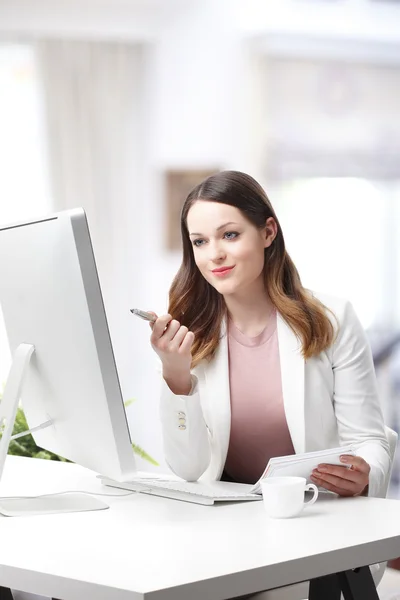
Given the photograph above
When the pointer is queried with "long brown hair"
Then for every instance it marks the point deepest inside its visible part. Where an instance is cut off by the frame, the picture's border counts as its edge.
(197, 304)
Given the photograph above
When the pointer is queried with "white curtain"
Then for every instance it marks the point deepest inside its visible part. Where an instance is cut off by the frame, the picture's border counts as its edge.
(93, 102)
(92, 97)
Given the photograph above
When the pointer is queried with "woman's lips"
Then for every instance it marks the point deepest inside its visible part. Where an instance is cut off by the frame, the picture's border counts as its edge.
(222, 271)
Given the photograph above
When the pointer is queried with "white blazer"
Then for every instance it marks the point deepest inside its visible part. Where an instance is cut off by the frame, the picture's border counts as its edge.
(329, 400)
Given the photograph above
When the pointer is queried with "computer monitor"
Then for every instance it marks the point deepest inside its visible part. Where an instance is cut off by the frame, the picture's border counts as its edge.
(51, 299)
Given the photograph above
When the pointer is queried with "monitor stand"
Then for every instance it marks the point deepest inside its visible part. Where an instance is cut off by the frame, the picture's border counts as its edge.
(49, 503)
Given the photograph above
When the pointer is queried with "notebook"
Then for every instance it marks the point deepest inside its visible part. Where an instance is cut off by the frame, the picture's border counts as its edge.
(202, 492)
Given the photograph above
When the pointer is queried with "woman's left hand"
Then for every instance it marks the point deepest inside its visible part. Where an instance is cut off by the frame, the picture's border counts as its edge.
(349, 480)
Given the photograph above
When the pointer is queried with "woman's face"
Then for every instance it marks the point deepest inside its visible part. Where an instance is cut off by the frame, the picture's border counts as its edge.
(228, 248)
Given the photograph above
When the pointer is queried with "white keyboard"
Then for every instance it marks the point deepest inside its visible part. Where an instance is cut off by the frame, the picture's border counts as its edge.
(189, 491)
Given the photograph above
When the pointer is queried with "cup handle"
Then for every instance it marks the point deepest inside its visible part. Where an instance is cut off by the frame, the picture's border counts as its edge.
(309, 487)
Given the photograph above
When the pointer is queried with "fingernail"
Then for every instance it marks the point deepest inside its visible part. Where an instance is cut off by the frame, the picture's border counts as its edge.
(322, 469)
(344, 459)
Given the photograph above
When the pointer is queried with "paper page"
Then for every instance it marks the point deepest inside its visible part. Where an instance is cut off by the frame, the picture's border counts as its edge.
(301, 465)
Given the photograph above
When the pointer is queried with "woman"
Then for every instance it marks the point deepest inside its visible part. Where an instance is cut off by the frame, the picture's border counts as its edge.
(254, 365)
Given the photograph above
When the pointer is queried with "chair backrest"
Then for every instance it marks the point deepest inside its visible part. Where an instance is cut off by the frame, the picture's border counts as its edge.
(392, 438)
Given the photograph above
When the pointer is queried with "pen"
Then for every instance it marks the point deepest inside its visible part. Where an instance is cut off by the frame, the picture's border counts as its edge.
(143, 314)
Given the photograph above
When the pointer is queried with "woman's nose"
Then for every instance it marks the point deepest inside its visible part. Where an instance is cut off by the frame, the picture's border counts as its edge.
(217, 252)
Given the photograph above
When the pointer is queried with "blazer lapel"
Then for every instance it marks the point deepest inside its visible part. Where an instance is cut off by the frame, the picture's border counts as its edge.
(292, 373)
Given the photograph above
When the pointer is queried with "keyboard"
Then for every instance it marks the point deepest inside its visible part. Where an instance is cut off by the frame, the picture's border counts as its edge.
(189, 491)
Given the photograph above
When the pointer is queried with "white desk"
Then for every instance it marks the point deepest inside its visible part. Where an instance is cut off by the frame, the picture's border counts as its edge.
(147, 547)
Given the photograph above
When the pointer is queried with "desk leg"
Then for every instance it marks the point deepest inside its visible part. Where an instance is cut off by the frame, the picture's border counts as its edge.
(5, 594)
(358, 584)
(325, 588)
(355, 585)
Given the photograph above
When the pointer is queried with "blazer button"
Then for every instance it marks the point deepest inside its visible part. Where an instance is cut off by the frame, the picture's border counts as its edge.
(181, 427)
(181, 414)
(182, 421)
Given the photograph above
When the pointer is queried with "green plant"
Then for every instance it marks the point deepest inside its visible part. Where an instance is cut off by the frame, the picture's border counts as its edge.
(137, 449)
(25, 446)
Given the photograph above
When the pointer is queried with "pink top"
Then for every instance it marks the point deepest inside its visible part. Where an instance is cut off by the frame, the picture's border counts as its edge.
(259, 429)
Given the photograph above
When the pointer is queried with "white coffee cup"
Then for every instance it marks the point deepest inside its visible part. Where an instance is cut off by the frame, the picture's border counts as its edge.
(284, 496)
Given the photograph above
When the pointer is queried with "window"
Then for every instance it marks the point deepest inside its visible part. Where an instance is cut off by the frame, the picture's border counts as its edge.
(334, 230)
(23, 182)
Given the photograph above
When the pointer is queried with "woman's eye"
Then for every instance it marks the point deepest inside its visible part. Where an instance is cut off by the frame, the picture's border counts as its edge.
(198, 243)
(231, 235)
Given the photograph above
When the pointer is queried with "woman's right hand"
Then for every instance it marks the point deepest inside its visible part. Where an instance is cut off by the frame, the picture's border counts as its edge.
(173, 342)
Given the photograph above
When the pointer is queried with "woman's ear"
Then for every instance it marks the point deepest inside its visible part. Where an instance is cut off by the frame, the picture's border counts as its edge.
(270, 231)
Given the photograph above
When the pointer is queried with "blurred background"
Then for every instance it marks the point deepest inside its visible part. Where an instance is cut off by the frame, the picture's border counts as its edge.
(120, 106)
